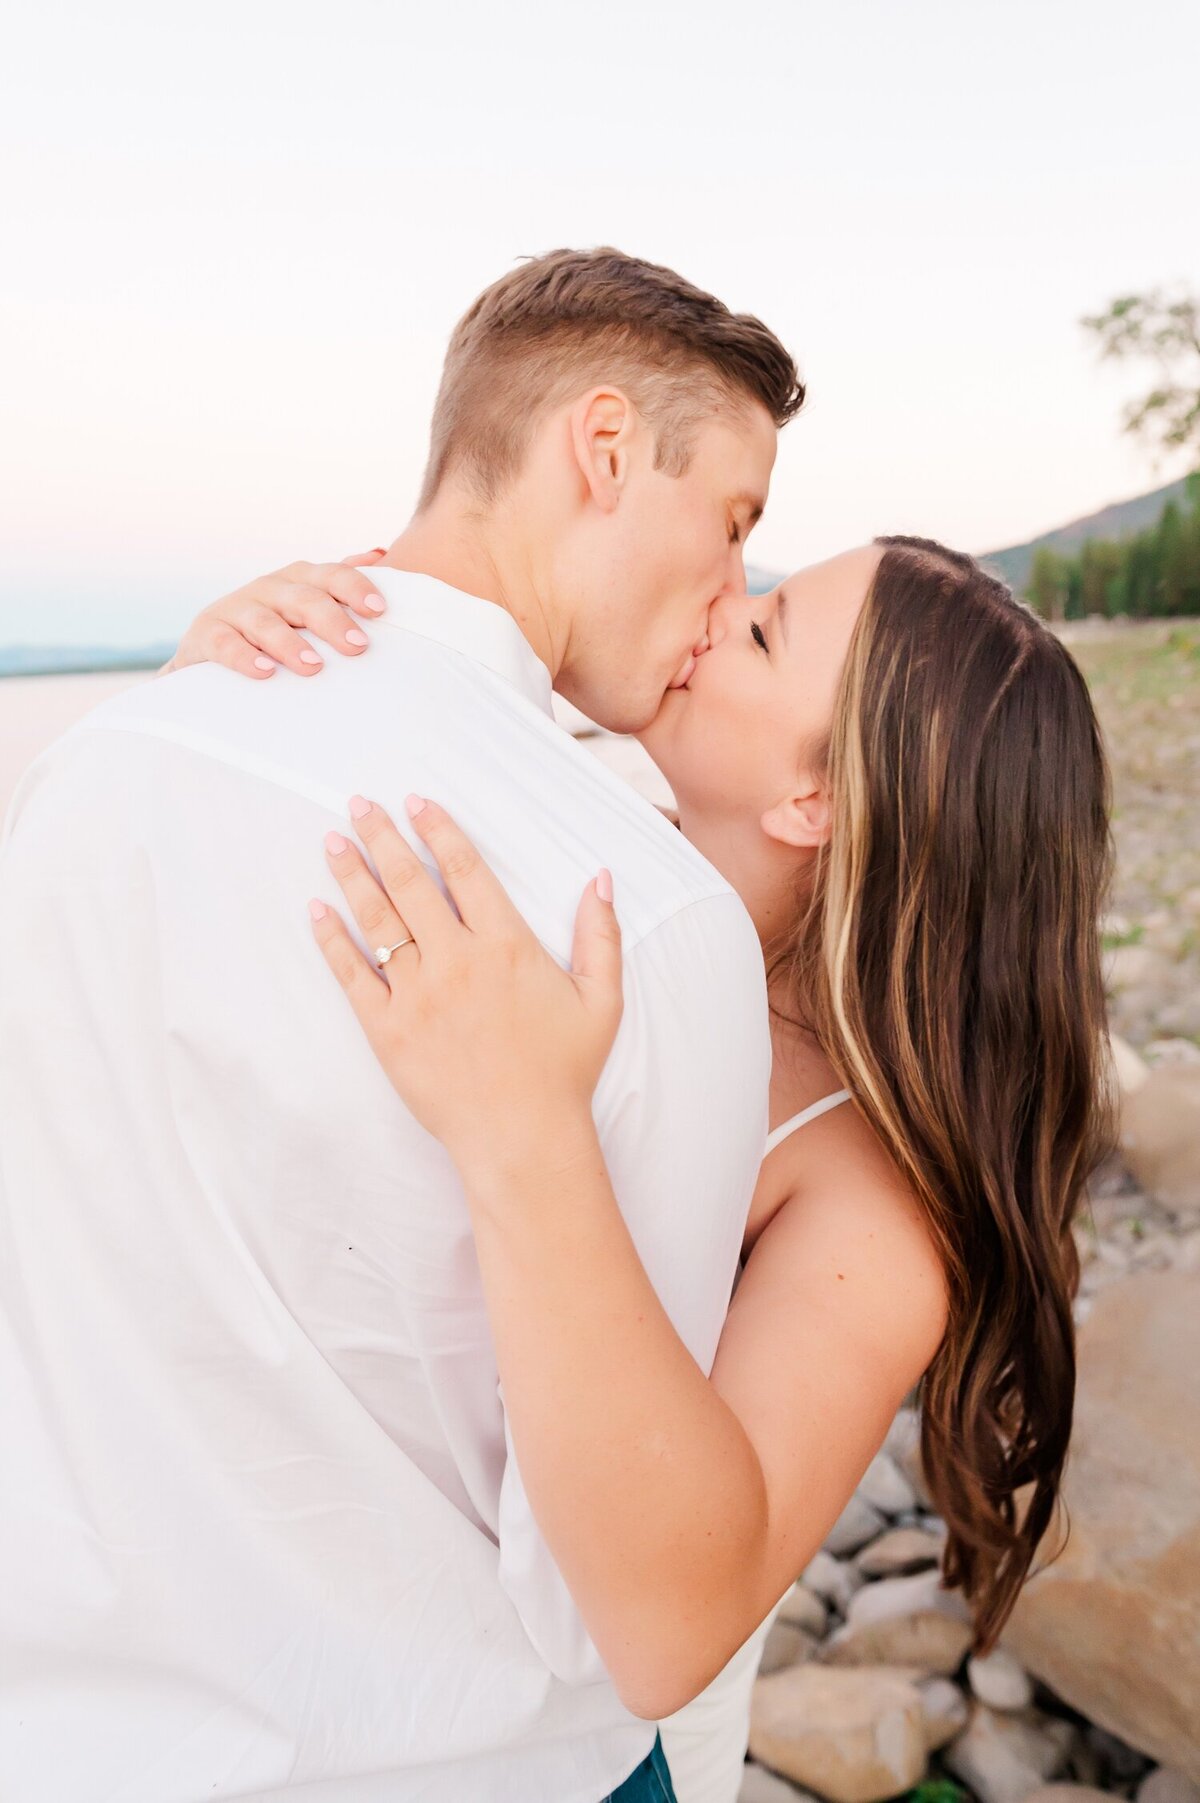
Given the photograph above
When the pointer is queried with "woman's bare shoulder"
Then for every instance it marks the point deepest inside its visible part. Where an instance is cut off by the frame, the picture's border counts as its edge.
(834, 1179)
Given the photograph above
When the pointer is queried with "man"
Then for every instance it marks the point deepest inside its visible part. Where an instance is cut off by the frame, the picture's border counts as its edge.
(262, 1528)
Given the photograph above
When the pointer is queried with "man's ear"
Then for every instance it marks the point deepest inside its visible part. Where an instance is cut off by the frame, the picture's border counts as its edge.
(802, 818)
(602, 425)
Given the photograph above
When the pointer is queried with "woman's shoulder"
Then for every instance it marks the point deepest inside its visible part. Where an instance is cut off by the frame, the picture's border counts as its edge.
(835, 1170)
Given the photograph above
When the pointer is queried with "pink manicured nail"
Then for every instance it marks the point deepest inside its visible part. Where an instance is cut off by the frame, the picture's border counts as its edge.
(604, 887)
(374, 602)
(359, 807)
(335, 843)
(415, 806)
(355, 637)
(310, 657)
(318, 910)
(264, 663)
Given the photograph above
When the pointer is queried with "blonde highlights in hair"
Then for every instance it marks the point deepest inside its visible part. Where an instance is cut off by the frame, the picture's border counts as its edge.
(947, 954)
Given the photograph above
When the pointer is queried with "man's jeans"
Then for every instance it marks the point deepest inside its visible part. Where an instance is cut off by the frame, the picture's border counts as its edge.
(650, 1783)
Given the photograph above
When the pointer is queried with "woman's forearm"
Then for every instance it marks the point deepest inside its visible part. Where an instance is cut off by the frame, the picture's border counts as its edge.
(647, 1489)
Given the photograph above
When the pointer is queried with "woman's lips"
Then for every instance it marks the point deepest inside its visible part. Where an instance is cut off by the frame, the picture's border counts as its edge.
(685, 673)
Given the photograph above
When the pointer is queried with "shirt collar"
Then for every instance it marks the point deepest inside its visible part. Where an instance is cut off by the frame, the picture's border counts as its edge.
(481, 630)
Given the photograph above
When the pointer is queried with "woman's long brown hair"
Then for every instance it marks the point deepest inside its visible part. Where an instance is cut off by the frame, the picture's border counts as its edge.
(948, 957)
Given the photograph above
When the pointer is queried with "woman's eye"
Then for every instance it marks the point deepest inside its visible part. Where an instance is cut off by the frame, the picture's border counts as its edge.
(756, 633)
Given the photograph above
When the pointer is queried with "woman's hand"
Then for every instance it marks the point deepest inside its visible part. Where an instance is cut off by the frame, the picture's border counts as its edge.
(255, 628)
(491, 1044)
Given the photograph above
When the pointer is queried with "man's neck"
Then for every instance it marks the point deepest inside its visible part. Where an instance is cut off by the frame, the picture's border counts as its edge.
(481, 557)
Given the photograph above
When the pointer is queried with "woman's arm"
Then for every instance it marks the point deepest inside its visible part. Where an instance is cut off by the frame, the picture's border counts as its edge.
(679, 1509)
(256, 628)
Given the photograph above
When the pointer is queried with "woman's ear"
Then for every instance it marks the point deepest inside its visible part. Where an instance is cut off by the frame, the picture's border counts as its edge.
(602, 424)
(802, 819)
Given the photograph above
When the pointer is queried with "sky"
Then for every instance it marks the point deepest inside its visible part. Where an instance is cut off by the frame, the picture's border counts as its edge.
(237, 237)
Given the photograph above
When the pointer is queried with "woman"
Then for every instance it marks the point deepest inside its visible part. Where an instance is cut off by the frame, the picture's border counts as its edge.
(899, 769)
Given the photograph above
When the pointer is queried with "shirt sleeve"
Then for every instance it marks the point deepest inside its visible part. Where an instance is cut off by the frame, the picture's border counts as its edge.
(682, 1117)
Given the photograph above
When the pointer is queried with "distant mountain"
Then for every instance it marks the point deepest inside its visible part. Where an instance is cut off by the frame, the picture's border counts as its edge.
(1121, 520)
(70, 660)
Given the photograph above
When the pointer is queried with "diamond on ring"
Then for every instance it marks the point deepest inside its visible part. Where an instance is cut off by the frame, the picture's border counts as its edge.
(384, 952)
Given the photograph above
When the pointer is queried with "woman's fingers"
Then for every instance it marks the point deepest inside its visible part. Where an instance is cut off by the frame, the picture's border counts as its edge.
(596, 954)
(258, 627)
(344, 582)
(364, 559)
(408, 897)
(369, 995)
(479, 895)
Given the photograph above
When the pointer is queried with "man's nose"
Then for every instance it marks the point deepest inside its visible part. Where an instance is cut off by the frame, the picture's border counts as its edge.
(731, 608)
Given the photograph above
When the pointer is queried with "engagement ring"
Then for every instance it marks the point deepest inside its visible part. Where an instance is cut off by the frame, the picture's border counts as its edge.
(384, 952)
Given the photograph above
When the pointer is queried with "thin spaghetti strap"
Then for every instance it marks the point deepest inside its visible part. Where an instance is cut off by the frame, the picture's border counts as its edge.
(802, 1119)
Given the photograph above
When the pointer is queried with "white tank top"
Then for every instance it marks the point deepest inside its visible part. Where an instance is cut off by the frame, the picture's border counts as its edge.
(705, 1741)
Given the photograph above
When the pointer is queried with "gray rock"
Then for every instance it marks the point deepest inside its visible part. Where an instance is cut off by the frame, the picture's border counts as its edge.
(832, 1579)
(902, 1444)
(945, 1709)
(1160, 1134)
(885, 1486)
(805, 1609)
(1005, 1757)
(761, 1786)
(928, 1642)
(1163, 1785)
(1000, 1680)
(1112, 1622)
(898, 1552)
(892, 1597)
(858, 1522)
(786, 1644)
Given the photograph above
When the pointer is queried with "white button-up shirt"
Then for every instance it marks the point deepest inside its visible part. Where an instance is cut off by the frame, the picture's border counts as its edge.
(262, 1529)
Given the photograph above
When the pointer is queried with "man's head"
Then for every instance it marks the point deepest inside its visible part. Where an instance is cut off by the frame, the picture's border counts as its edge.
(623, 423)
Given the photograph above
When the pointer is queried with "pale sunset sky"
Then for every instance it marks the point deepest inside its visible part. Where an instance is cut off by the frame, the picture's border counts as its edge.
(237, 237)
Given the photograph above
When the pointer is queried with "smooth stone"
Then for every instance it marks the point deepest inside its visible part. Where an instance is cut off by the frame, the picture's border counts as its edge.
(832, 1579)
(945, 1709)
(858, 1522)
(1000, 1680)
(885, 1486)
(891, 1597)
(1112, 1622)
(761, 1786)
(1163, 1785)
(929, 1641)
(1129, 1069)
(786, 1644)
(1160, 1134)
(899, 1552)
(851, 1736)
(902, 1444)
(805, 1609)
(1005, 1757)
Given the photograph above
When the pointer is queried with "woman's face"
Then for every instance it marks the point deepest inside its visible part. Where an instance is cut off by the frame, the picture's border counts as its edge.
(733, 742)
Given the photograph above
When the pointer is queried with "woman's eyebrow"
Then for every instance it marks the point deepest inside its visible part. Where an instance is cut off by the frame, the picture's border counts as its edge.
(781, 614)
